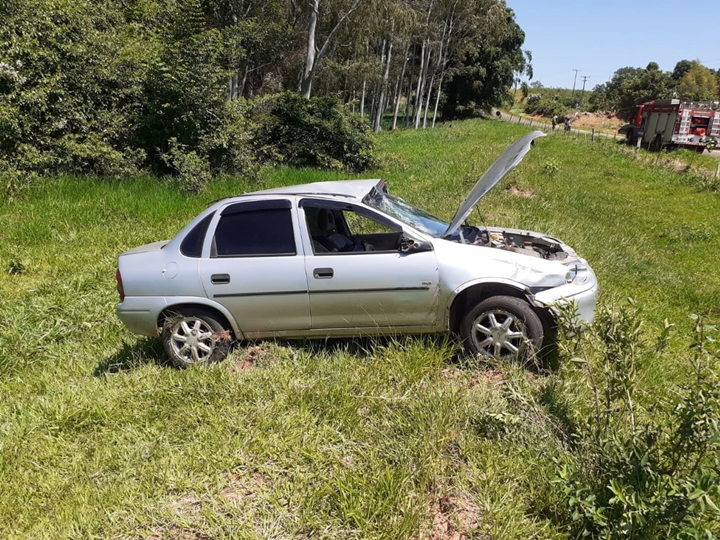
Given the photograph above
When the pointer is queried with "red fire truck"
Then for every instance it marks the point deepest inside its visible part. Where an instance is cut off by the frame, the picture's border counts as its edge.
(671, 123)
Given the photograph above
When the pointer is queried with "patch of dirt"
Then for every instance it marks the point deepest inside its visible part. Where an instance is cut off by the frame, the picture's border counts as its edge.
(455, 517)
(179, 533)
(186, 505)
(527, 193)
(489, 377)
(598, 121)
(249, 358)
(243, 489)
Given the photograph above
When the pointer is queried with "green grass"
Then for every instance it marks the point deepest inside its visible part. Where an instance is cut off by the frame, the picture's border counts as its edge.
(99, 437)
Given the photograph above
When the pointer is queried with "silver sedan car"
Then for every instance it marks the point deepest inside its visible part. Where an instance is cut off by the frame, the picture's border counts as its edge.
(347, 258)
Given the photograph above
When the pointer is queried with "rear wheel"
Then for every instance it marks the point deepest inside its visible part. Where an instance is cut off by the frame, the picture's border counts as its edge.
(502, 327)
(195, 336)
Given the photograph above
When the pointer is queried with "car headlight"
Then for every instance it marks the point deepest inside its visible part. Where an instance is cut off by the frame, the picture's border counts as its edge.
(577, 273)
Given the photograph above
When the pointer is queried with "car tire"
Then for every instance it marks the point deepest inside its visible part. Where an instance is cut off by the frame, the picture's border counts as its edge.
(195, 336)
(504, 328)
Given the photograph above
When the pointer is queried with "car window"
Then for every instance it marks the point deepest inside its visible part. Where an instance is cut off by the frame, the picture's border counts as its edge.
(363, 225)
(246, 230)
(342, 229)
(193, 242)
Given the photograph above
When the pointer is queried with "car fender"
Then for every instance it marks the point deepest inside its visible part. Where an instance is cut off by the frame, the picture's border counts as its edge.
(179, 301)
(522, 290)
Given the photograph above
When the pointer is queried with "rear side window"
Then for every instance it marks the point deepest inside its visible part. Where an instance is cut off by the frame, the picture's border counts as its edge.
(192, 245)
(251, 229)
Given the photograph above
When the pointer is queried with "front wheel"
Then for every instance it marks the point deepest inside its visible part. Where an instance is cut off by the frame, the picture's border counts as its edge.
(195, 336)
(502, 327)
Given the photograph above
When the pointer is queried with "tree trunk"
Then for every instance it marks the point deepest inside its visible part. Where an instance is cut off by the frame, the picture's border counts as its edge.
(399, 88)
(425, 60)
(408, 101)
(437, 98)
(313, 56)
(418, 96)
(362, 99)
(311, 50)
(241, 92)
(383, 90)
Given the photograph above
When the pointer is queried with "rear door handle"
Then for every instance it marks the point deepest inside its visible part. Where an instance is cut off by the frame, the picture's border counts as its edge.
(220, 279)
(323, 273)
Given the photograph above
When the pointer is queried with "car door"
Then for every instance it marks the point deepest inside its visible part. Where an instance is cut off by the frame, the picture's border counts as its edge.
(382, 288)
(252, 266)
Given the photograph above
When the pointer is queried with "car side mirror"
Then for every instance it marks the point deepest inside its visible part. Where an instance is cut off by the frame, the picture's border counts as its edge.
(410, 245)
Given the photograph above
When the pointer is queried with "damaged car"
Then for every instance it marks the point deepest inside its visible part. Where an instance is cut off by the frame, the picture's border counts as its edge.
(348, 258)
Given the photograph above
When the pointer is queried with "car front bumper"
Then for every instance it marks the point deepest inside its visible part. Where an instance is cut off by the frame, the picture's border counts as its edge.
(583, 296)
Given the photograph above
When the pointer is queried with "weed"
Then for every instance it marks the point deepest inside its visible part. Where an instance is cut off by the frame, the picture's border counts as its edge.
(551, 167)
(193, 171)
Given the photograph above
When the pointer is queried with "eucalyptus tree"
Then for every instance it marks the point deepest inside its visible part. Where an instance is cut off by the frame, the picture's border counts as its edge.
(335, 12)
(257, 38)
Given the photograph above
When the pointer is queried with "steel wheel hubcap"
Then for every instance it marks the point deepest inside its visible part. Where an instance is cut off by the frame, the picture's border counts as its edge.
(192, 340)
(499, 333)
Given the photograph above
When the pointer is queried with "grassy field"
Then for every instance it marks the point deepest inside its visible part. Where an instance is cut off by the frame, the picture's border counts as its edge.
(402, 438)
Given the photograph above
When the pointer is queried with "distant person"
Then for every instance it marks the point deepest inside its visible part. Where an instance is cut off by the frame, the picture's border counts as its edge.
(568, 124)
(554, 122)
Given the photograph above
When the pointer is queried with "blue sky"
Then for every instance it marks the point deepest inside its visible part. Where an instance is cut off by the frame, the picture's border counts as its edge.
(600, 36)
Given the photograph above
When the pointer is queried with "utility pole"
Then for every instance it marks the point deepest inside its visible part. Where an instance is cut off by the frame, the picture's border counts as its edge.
(582, 96)
(574, 81)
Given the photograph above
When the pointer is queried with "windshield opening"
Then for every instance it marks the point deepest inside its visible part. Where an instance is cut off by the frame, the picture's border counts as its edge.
(406, 213)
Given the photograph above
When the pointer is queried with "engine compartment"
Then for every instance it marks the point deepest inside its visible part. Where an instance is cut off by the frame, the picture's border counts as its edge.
(518, 242)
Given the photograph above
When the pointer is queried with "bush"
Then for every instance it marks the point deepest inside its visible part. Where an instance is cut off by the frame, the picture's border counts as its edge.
(639, 472)
(546, 107)
(192, 171)
(317, 132)
(229, 147)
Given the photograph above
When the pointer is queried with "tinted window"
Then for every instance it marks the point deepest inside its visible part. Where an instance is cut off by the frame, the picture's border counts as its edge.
(192, 244)
(266, 231)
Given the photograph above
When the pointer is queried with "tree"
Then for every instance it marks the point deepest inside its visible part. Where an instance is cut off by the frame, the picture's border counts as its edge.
(681, 68)
(71, 85)
(313, 55)
(631, 86)
(598, 98)
(484, 70)
(698, 83)
(524, 69)
(258, 37)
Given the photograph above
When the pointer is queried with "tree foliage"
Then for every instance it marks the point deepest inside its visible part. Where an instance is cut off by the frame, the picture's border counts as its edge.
(698, 83)
(112, 86)
(485, 70)
(317, 132)
(630, 86)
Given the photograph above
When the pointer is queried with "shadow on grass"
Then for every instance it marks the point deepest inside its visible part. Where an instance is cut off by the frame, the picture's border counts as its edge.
(364, 346)
(134, 355)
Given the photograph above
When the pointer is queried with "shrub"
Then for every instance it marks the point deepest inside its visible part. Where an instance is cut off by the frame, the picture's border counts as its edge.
(193, 172)
(640, 472)
(546, 107)
(317, 132)
(229, 147)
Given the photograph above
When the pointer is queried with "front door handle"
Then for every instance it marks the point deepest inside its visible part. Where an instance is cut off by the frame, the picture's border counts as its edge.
(323, 273)
(220, 279)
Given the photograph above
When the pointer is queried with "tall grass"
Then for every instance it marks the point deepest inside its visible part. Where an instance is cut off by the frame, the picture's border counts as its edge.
(403, 438)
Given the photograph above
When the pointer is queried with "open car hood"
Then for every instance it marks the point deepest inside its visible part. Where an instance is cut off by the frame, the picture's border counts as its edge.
(507, 161)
